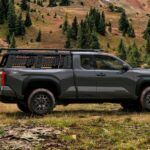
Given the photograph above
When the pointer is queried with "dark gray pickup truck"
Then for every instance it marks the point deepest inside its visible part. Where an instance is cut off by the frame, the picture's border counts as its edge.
(38, 81)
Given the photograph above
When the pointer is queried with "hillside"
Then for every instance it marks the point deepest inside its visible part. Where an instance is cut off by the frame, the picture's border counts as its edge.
(49, 19)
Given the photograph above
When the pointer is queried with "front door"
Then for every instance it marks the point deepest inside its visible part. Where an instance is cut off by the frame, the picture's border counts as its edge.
(112, 81)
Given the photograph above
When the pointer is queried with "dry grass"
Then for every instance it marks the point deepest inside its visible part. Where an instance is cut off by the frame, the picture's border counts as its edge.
(103, 126)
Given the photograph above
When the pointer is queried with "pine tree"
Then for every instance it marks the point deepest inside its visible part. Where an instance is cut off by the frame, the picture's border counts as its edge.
(64, 2)
(147, 50)
(24, 4)
(39, 36)
(65, 24)
(110, 27)
(68, 41)
(94, 41)
(102, 26)
(2, 12)
(146, 33)
(52, 3)
(20, 28)
(11, 17)
(12, 41)
(28, 21)
(122, 50)
(123, 23)
(133, 57)
(74, 29)
(130, 31)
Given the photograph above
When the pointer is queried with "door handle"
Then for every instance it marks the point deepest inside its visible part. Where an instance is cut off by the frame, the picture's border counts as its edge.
(101, 74)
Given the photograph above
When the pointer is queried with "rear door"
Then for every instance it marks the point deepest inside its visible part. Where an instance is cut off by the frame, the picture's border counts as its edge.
(85, 76)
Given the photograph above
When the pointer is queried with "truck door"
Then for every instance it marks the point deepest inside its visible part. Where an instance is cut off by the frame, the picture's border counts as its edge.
(112, 82)
(85, 76)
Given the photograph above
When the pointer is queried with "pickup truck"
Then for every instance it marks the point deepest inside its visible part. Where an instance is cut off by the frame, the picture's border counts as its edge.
(37, 81)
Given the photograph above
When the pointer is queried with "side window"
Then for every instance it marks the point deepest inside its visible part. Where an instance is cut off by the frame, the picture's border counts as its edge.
(87, 61)
(108, 63)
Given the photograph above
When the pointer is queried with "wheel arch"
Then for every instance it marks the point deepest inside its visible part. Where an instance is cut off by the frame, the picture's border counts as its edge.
(49, 83)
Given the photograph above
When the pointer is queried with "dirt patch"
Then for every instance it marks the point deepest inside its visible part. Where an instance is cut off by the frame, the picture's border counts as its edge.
(136, 4)
(29, 137)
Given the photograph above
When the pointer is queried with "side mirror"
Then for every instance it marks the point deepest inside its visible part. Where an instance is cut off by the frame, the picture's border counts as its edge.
(125, 67)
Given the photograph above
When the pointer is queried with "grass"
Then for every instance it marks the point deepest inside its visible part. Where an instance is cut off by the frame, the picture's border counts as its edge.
(103, 126)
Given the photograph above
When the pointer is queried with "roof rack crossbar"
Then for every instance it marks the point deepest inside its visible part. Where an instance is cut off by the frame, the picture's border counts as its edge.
(50, 49)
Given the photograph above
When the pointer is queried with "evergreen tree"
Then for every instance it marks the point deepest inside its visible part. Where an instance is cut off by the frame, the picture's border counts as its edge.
(94, 41)
(146, 33)
(64, 2)
(102, 26)
(147, 50)
(68, 41)
(24, 4)
(52, 3)
(2, 12)
(74, 29)
(12, 41)
(123, 23)
(39, 36)
(130, 31)
(133, 57)
(122, 50)
(65, 24)
(11, 17)
(20, 28)
(28, 21)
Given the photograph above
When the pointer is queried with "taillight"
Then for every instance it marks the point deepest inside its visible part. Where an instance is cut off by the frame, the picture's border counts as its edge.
(3, 78)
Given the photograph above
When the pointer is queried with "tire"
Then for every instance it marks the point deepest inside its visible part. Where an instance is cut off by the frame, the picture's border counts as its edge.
(41, 101)
(23, 107)
(145, 99)
(131, 106)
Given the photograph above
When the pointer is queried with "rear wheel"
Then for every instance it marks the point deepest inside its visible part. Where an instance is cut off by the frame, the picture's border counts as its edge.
(145, 99)
(41, 101)
(23, 106)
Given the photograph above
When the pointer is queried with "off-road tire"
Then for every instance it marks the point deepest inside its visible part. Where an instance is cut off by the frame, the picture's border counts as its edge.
(41, 101)
(145, 99)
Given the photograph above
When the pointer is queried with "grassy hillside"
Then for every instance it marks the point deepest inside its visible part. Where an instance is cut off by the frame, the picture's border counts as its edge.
(49, 19)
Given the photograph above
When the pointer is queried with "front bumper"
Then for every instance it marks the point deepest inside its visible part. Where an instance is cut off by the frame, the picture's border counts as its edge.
(7, 95)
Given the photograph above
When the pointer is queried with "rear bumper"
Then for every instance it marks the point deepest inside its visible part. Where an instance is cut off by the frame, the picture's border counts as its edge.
(7, 95)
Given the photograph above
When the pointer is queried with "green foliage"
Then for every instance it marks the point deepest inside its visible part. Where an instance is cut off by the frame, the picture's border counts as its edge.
(147, 50)
(2, 13)
(123, 23)
(24, 4)
(113, 8)
(39, 36)
(12, 41)
(28, 21)
(130, 31)
(20, 28)
(65, 24)
(11, 17)
(64, 2)
(146, 33)
(74, 29)
(52, 3)
(133, 57)
(122, 50)
(86, 39)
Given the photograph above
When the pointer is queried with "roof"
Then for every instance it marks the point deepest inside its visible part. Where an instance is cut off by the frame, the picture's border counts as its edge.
(47, 51)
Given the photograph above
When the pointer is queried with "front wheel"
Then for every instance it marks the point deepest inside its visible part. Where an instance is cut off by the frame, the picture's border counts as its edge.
(41, 101)
(145, 99)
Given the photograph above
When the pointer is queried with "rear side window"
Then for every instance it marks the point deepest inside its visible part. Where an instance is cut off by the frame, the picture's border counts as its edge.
(43, 62)
(87, 61)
